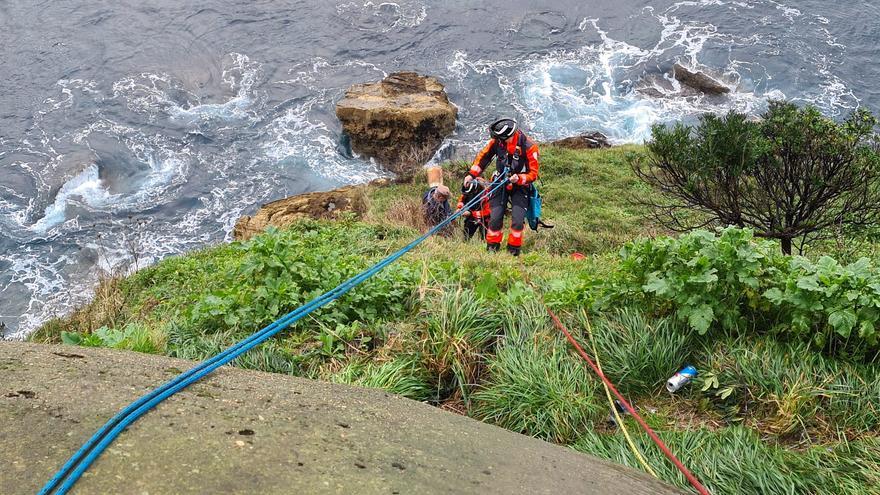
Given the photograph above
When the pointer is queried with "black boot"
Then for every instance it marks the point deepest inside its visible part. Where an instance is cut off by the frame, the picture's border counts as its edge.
(493, 247)
(514, 250)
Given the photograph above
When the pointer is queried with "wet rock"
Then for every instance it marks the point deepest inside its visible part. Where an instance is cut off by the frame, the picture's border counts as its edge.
(656, 86)
(699, 79)
(400, 121)
(320, 205)
(587, 140)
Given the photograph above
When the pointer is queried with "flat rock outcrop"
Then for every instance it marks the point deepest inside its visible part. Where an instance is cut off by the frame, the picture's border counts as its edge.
(400, 121)
(584, 141)
(247, 432)
(320, 205)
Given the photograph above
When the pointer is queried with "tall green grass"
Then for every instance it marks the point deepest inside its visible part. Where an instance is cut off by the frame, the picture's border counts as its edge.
(537, 387)
(636, 352)
(737, 461)
(790, 388)
(402, 375)
(460, 328)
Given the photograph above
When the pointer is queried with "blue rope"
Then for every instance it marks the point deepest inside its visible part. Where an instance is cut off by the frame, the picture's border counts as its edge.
(74, 468)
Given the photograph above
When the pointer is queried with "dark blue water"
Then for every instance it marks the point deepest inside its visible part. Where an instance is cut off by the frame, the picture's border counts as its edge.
(144, 129)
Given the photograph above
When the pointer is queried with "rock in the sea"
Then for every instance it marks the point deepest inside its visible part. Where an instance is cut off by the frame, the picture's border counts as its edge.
(699, 79)
(282, 213)
(584, 141)
(657, 86)
(400, 121)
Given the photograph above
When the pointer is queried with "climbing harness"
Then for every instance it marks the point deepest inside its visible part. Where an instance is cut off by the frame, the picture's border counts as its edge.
(74, 468)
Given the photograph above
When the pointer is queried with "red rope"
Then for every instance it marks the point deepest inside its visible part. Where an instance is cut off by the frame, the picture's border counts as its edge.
(662, 446)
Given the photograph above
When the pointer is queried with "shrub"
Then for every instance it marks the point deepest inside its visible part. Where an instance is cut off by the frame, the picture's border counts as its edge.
(282, 270)
(741, 284)
(792, 174)
(702, 277)
(844, 299)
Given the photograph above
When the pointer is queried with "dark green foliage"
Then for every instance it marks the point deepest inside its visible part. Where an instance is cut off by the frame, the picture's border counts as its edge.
(281, 271)
(793, 174)
(706, 279)
(844, 299)
(731, 282)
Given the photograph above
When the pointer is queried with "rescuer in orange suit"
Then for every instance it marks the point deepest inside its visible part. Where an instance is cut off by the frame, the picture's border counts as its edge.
(476, 219)
(512, 149)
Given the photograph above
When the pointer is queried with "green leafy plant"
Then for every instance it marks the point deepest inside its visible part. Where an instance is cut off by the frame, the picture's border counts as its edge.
(738, 283)
(280, 271)
(131, 337)
(705, 278)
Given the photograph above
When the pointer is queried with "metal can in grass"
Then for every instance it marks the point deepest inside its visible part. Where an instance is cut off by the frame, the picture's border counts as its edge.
(681, 379)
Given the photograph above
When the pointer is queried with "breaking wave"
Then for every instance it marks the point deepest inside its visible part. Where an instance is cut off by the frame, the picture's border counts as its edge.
(148, 164)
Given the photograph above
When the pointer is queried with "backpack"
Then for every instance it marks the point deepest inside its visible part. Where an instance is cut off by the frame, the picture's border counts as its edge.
(533, 212)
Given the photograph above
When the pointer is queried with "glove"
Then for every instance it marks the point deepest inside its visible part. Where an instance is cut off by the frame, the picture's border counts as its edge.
(514, 179)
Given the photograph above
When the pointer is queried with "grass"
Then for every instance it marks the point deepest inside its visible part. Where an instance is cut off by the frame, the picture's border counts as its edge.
(792, 390)
(588, 197)
(402, 375)
(455, 326)
(638, 352)
(536, 387)
(460, 329)
(736, 460)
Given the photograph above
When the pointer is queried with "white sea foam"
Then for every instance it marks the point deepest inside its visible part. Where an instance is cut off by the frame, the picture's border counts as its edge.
(296, 139)
(258, 153)
(592, 88)
(241, 77)
(40, 274)
(382, 16)
(85, 186)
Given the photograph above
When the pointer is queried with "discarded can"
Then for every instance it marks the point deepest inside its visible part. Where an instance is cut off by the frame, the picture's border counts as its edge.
(621, 410)
(681, 379)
